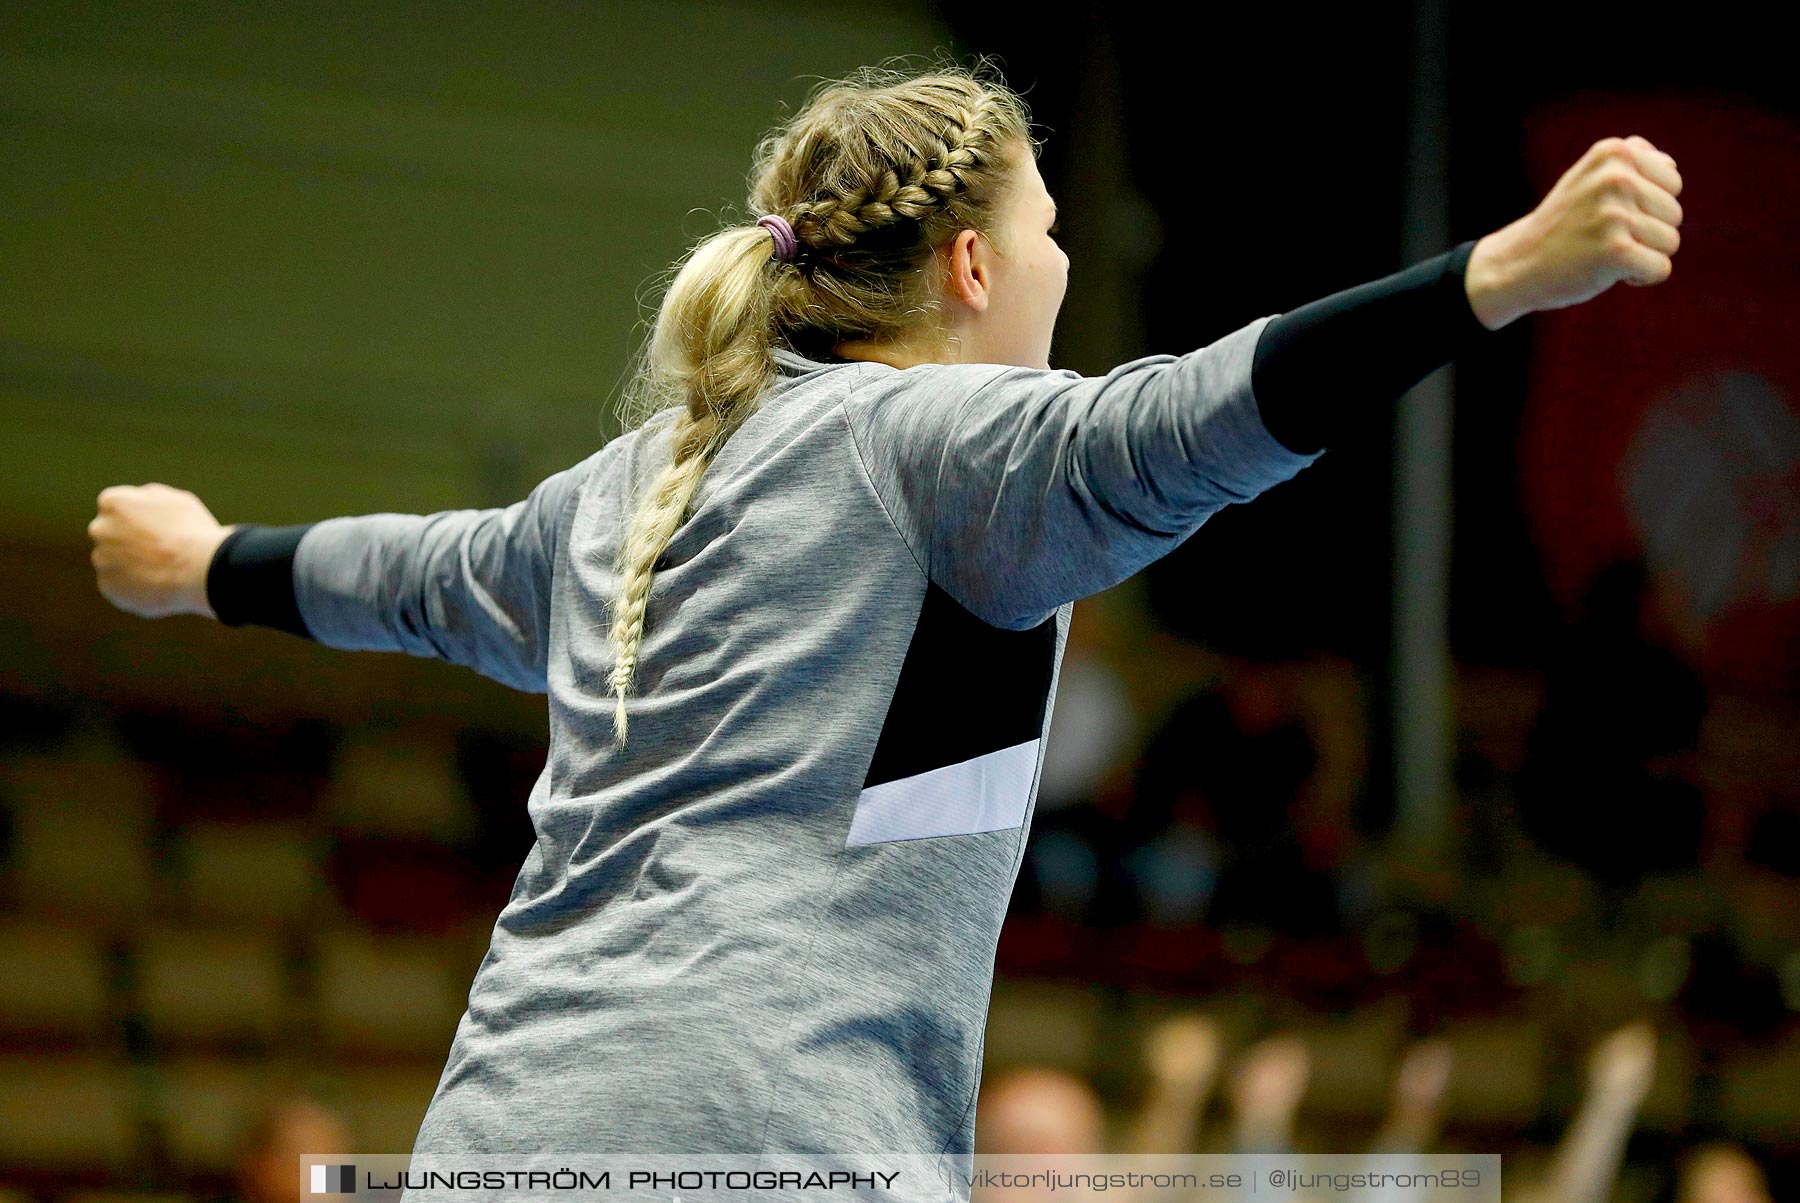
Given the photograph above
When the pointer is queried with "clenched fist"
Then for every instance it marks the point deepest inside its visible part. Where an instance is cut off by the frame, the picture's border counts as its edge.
(1611, 217)
(152, 546)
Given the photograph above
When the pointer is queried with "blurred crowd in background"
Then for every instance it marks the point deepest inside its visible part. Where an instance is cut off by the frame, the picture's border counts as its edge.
(226, 944)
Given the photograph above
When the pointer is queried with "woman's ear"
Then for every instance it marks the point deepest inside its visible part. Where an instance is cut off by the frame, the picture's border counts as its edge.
(969, 269)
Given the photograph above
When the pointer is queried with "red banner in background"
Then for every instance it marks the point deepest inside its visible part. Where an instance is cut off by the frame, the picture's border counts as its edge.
(1664, 422)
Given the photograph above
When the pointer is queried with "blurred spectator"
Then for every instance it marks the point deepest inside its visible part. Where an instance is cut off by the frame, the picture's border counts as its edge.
(1774, 844)
(1183, 1056)
(1721, 1172)
(1265, 1092)
(1214, 833)
(1415, 1113)
(1416, 1104)
(1609, 780)
(1036, 1109)
(1071, 860)
(1728, 997)
(1586, 1163)
(1093, 725)
(286, 1128)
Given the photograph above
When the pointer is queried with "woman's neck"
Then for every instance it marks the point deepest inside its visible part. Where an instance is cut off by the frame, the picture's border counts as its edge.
(898, 355)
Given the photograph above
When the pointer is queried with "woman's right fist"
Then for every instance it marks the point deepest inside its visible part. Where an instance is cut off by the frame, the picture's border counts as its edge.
(1611, 217)
(152, 546)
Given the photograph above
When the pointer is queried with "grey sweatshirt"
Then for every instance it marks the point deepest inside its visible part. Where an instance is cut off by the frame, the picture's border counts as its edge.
(768, 923)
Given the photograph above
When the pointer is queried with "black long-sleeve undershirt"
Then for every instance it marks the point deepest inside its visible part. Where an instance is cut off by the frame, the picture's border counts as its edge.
(1319, 372)
(251, 578)
(1326, 368)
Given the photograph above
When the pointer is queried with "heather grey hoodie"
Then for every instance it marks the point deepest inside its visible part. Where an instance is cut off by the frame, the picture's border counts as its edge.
(768, 923)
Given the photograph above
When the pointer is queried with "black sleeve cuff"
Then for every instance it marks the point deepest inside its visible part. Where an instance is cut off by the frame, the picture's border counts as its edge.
(251, 578)
(1322, 370)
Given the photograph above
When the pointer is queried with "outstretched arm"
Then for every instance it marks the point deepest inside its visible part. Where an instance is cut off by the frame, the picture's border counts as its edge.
(1020, 489)
(468, 586)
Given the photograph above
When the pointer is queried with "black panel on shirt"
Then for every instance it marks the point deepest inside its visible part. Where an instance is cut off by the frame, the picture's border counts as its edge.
(251, 578)
(965, 689)
(1321, 371)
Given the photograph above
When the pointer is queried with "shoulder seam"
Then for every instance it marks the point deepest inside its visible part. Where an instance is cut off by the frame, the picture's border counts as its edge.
(563, 530)
(850, 427)
(856, 450)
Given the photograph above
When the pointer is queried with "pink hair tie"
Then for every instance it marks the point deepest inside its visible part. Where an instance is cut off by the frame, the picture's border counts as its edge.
(785, 242)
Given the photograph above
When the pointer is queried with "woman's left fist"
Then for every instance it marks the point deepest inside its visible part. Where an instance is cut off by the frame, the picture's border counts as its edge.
(1612, 216)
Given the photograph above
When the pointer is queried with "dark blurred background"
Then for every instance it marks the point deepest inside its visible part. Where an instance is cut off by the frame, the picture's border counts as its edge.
(1486, 726)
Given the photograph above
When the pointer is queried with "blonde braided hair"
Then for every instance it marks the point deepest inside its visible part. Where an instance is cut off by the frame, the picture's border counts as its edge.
(875, 173)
